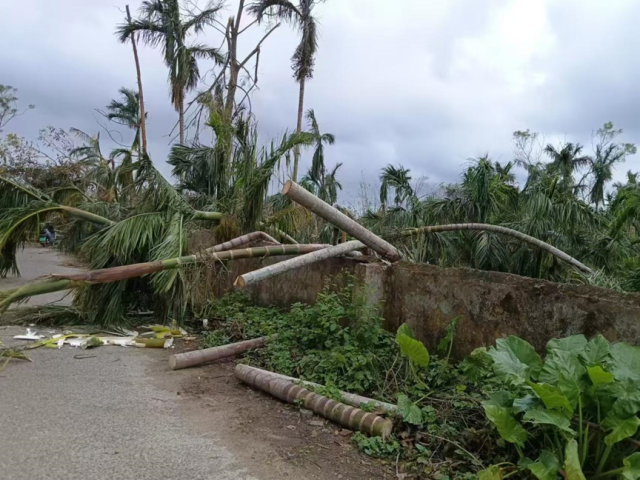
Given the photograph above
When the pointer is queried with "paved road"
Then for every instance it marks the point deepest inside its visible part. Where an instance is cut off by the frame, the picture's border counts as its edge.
(116, 415)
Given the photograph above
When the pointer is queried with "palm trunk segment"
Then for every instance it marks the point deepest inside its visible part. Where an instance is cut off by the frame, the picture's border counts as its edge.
(503, 230)
(59, 282)
(278, 268)
(296, 150)
(349, 417)
(200, 357)
(299, 195)
(243, 240)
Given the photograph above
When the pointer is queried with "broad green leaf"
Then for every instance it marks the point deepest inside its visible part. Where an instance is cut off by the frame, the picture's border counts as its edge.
(626, 362)
(620, 429)
(626, 406)
(523, 351)
(572, 468)
(501, 398)
(598, 376)
(506, 423)
(406, 330)
(596, 351)
(574, 343)
(443, 344)
(525, 403)
(549, 417)
(546, 468)
(477, 364)
(552, 397)
(631, 470)
(508, 368)
(491, 473)
(413, 349)
(561, 362)
(410, 412)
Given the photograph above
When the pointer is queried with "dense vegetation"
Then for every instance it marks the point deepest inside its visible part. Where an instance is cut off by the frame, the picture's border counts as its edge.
(500, 412)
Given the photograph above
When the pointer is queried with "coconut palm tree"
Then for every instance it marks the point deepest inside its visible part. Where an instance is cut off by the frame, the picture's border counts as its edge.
(301, 16)
(162, 23)
(567, 160)
(397, 178)
(126, 112)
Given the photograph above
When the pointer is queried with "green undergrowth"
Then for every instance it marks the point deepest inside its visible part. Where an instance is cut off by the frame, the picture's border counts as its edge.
(501, 412)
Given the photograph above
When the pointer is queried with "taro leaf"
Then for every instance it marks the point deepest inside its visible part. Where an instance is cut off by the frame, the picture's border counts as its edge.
(508, 368)
(546, 468)
(552, 397)
(491, 473)
(549, 417)
(501, 398)
(413, 349)
(626, 362)
(523, 351)
(506, 423)
(620, 429)
(631, 469)
(406, 329)
(477, 364)
(525, 403)
(598, 376)
(410, 412)
(574, 343)
(572, 469)
(596, 351)
(627, 405)
(561, 362)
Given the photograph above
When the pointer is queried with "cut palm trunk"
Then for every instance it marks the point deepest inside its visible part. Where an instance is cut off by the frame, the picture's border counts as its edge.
(503, 230)
(243, 240)
(200, 357)
(349, 398)
(332, 215)
(345, 415)
(281, 267)
(59, 282)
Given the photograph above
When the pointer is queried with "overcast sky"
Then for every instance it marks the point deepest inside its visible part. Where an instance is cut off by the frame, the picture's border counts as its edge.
(423, 83)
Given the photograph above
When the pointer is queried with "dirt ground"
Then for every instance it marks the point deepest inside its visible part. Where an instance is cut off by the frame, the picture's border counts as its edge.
(121, 413)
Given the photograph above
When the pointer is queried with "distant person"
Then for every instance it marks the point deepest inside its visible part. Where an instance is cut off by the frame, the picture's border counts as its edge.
(50, 233)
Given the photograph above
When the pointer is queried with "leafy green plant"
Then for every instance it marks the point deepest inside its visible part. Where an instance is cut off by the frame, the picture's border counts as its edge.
(574, 410)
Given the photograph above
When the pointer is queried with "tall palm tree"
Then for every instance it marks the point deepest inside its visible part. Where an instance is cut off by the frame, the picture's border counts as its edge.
(567, 159)
(127, 112)
(397, 178)
(303, 58)
(162, 23)
(319, 139)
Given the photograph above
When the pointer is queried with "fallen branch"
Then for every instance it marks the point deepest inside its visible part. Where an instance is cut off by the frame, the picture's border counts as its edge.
(503, 230)
(332, 215)
(200, 357)
(281, 267)
(345, 415)
(59, 282)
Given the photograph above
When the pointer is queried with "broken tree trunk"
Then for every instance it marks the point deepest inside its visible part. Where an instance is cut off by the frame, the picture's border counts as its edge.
(345, 415)
(59, 282)
(308, 200)
(199, 357)
(349, 398)
(243, 240)
(281, 267)
(505, 231)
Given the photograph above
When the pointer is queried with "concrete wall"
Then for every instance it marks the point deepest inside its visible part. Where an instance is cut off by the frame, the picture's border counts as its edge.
(494, 305)
(491, 304)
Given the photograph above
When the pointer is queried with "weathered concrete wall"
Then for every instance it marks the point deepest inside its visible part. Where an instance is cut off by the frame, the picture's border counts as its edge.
(301, 285)
(494, 305)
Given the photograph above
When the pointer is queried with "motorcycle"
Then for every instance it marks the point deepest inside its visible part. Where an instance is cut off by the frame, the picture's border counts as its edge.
(44, 240)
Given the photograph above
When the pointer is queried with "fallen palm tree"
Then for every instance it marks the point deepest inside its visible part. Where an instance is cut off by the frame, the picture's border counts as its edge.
(332, 215)
(243, 240)
(345, 415)
(60, 282)
(200, 357)
(502, 230)
(298, 262)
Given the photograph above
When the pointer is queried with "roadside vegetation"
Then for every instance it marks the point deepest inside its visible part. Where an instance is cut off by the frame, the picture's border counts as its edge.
(501, 412)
